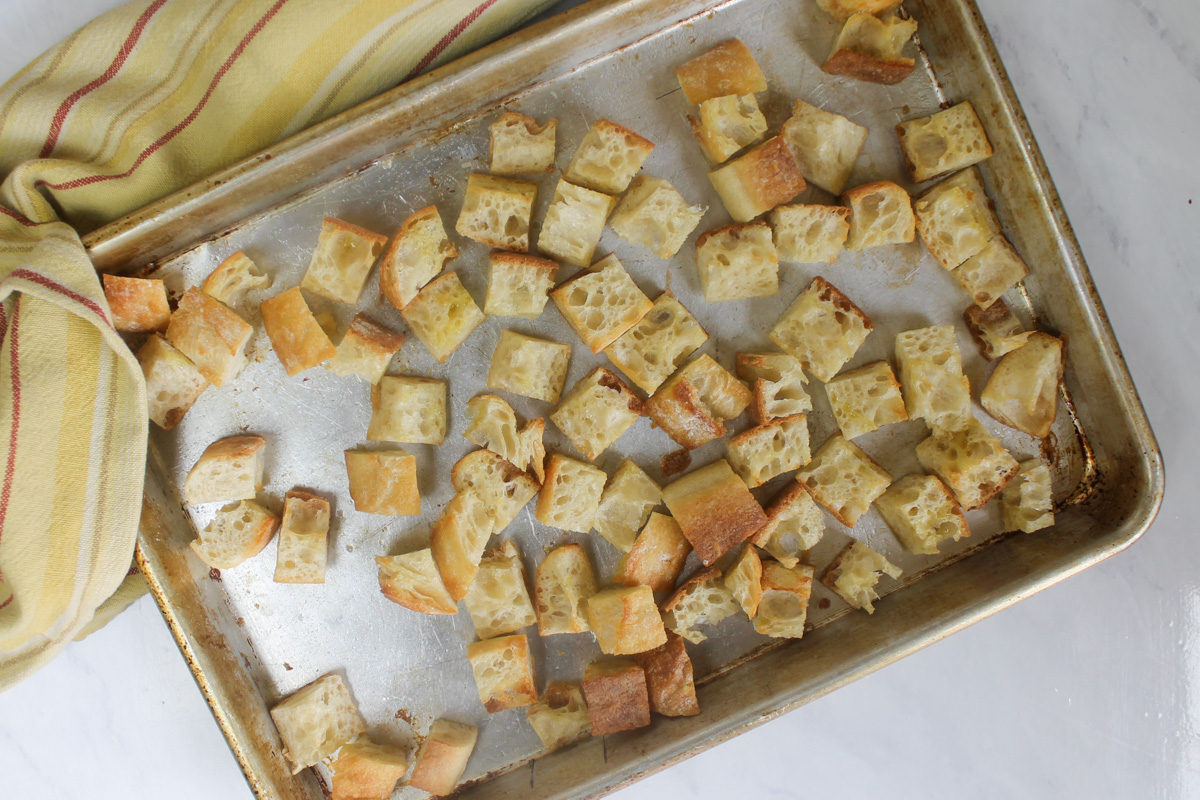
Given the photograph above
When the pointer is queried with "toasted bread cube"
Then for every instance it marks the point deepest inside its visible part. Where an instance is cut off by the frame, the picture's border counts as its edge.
(529, 367)
(881, 214)
(657, 556)
(617, 698)
(137, 305)
(366, 350)
(498, 600)
(844, 9)
(407, 409)
(944, 142)
(995, 329)
(626, 620)
(342, 260)
(560, 716)
(971, 462)
(992, 271)
(794, 524)
(1023, 390)
(866, 399)
(519, 146)
(303, 537)
(726, 125)
(855, 573)
(364, 770)
(922, 513)
(172, 381)
(518, 284)
(758, 180)
(492, 423)
(504, 487)
(574, 223)
(767, 451)
(654, 214)
(728, 68)
(714, 509)
(931, 375)
(211, 335)
(503, 672)
(413, 581)
(692, 406)
(1027, 503)
(778, 385)
(562, 587)
(298, 339)
(601, 304)
(702, 600)
(416, 255)
(458, 538)
(443, 315)
(825, 145)
(722, 393)
(315, 721)
(669, 678)
(650, 351)
(237, 533)
(229, 469)
(822, 328)
(233, 278)
(744, 580)
(625, 505)
(496, 212)
(383, 482)
(534, 448)
(783, 608)
(844, 479)
(607, 158)
(737, 262)
(810, 234)
(597, 410)
(571, 494)
(956, 218)
(443, 757)
(871, 49)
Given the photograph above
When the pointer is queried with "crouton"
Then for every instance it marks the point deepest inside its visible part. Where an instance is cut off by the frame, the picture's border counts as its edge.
(503, 672)
(315, 721)
(518, 284)
(759, 180)
(767, 451)
(881, 214)
(825, 145)
(364, 770)
(296, 336)
(407, 409)
(172, 381)
(597, 410)
(654, 214)
(602, 303)
(1027, 504)
(794, 524)
(810, 234)
(944, 142)
(365, 351)
(844, 9)
(844, 479)
(237, 533)
(563, 584)
(443, 315)
(383, 482)
(922, 513)
(137, 305)
(413, 581)
(560, 715)
(727, 124)
(519, 146)
(1023, 390)
(234, 278)
(865, 399)
(342, 260)
(956, 218)
(458, 538)
(303, 537)
(617, 698)
(498, 600)
(743, 580)
(822, 328)
(992, 271)
(778, 385)
(574, 223)
(496, 212)
(971, 462)
(714, 509)
(229, 469)
(625, 505)
(931, 375)
(528, 366)
(533, 447)
(492, 423)
(625, 620)
(657, 556)
(669, 679)
(783, 608)
(995, 329)
(571, 494)
(607, 158)
(504, 488)
(416, 256)
(693, 405)
(702, 600)
(854, 575)
(725, 69)
(443, 757)
(871, 49)
(650, 351)
(737, 261)
(211, 335)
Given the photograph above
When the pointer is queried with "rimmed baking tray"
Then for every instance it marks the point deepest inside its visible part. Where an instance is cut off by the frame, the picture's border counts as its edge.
(250, 641)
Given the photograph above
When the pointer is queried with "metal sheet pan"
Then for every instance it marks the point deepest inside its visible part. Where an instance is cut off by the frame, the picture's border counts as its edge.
(251, 641)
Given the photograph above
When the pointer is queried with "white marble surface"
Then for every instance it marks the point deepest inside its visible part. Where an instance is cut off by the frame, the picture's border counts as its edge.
(1090, 689)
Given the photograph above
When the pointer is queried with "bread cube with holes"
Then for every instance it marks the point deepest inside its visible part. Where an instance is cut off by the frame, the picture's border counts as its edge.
(714, 509)
(498, 600)
(727, 124)
(597, 410)
(529, 366)
(626, 620)
(316, 720)
(443, 757)
(844, 479)
(844, 9)
(694, 403)
(364, 770)
(880, 214)
(794, 524)
(1027, 503)
(443, 315)
(234, 278)
(724, 69)
(737, 262)
(625, 505)
(608, 158)
(971, 462)
(416, 256)
(992, 271)
(822, 328)
(810, 234)
(366, 350)
(944, 142)
(783, 607)
(1023, 389)
(518, 284)
(931, 375)
(496, 211)
(210, 335)
(826, 145)
(342, 260)
(865, 399)
(407, 409)
(532, 441)
(617, 698)
(383, 482)
(138, 305)
(296, 336)
(303, 538)
(519, 146)
(492, 424)
(855, 573)
(995, 329)
(172, 381)
(743, 579)
(560, 716)
(955, 218)
(767, 451)
(504, 488)
(571, 494)
(503, 672)
(702, 600)
(229, 469)
(563, 584)
(657, 556)
(574, 223)
(602, 303)
(412, 580)
(237, 533)
(669, 678)
(758, 180)
(871, 49)
(458, 538)
(654, 214)
(777, 381)
(922, 513)
(651, 351)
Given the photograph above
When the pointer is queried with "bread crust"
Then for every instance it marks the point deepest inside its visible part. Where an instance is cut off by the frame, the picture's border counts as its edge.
(443, 757)
(296, 336)
(617, 696)
(412, 580)
(759, 180)
(625, 620)
(714, 509)
(383, 482)
(727, 68)
(138, 305)
(669, 681)
(210, 334)
(364, 770)
(863, 67)
(657, 556)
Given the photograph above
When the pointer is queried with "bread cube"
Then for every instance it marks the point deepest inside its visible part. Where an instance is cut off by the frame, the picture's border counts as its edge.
(822, 328)
(458, 538)
(783, 608)
(298, 339)
(211, 335)
(413, 581)
(725, 69)
(492, 423)
(518, 284)
(571, 494)
(365, 351)
(533, 447)
(971, 462)
(714, 509)
(992, 271)
(871, 49)
(237, 533)
(172, 381)
(767, 451)
(597, 410)
(519, 146)
(504, 488)
(303, 537)
(234, 278)
(944, 142)
(407, 409)
(229, 469)
(657, 556)
(794, 524)
(744, 580)
(443, 315)
(560, 715)
(810, 234)
(1027, 504)
(625, 505)
(137, 305)
(416, 255)
(778, 385)
(855, 573)
(844, 479)
(315, 721)
(727, 124)
(881, 214)
(607, 158)
(669, 679)
(364, 770)
(866, 399)
(995, 329)
(956, 218)
(931, 375)
(503, 672)
(383, 482)
(844, 9)
(529, 366)
(825, 145)
(737, 262)
(922, 513)
(498, 600)
(602, 303)
(574, 223)
(443, 757)
(563, 584)
(342, 260)
(759, 180)
(654, 214)
(650, 351)
(692, 406)
(1023, 390)
(625, 620)
(617, 698)
(496, 211)
(702, 600)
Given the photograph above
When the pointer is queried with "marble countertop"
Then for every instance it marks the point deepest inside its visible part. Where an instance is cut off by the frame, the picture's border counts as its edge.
(1089, 689)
